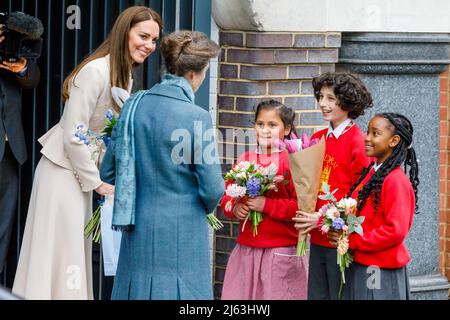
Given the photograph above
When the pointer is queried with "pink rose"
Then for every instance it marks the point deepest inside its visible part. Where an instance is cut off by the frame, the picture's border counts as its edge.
(345, 229)
(229, 206)
(278, 179)
(325, 229)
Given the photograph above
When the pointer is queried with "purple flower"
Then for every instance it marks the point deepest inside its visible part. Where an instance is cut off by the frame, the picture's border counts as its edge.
(253, 187)
(338, 223)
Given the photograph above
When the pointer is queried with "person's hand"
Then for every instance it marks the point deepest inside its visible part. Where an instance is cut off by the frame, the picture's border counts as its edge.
(241, 210)
(334, 236)
(305, 222)
(105, 189)
(15, 67)
(256, 204)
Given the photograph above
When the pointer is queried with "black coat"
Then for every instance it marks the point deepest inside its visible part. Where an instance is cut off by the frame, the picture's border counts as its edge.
(11, 109)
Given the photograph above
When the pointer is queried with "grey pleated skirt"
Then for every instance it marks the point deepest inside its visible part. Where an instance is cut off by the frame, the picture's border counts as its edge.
(371, 283)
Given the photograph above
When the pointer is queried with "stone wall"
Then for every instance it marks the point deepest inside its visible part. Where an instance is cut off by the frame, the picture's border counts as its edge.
(402, 72)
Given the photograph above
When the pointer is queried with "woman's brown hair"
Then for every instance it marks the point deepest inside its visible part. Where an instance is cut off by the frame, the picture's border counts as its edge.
(185, 51)
(116, 44)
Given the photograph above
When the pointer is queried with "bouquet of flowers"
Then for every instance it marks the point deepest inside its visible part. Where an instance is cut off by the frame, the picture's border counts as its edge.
(249, 180)
(340, 216)
(94, 142)
(305, 160)
(97, 143)
(110, 123)
(93, 225)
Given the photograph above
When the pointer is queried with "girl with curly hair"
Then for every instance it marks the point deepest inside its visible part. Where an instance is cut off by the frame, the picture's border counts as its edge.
(342, 97)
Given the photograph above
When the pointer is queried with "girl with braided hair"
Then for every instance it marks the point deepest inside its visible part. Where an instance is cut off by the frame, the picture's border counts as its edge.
(387, 199)
(265, 266)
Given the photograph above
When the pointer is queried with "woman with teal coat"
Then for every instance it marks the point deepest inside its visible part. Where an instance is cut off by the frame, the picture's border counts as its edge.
(162, 159)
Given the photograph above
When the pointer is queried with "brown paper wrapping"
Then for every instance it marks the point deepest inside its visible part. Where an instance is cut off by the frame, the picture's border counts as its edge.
(306, 170)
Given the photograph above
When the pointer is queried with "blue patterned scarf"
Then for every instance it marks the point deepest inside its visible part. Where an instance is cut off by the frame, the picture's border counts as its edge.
(125, 192)
(170, 79)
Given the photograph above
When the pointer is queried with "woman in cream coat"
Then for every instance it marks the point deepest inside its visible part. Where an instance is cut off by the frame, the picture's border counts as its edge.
(55, 259)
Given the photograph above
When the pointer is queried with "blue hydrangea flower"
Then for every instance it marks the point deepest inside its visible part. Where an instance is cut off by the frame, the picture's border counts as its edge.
(109, 115)
(253, 187)
(338, 223)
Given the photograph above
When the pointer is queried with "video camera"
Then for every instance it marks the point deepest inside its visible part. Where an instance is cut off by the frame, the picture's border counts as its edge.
(22, 36)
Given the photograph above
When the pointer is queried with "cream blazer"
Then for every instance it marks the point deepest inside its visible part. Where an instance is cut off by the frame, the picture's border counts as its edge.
(90, 98)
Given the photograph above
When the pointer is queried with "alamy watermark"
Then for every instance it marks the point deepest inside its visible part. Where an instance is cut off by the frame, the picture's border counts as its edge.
(199, 146)
(74, 19)
(73, 281)
(374, 278)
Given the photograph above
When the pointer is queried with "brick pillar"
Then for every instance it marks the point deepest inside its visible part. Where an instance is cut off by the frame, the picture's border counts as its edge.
(444, 234)
(256, 66)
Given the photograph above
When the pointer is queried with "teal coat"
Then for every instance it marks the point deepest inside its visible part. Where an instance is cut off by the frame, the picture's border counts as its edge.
(166, 256)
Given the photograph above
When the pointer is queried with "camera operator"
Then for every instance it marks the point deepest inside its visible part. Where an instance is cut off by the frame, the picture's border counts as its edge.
(23, 74)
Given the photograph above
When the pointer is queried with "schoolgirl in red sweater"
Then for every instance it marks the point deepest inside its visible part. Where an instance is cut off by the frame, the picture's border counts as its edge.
(342, 97)
(387, 199)
(265, 266)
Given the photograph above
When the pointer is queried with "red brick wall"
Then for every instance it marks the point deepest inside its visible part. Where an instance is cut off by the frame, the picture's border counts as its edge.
(444, 235)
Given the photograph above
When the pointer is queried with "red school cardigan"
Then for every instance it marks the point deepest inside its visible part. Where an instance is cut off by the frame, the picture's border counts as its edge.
(385, 229)
(344, 160)
(277, 228)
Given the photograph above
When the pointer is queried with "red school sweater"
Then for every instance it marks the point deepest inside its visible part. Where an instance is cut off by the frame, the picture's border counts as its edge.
(277, 228)
(344, 160)
(385, 229)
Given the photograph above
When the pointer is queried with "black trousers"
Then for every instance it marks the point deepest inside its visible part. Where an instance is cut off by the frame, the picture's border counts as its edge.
(324, 276)
(9, 190)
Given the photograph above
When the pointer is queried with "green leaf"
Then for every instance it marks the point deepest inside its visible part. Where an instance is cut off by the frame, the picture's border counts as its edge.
(359, 230)
(351, 219)
(351, 229)
(361, 219)
(325, 187)
(323, 197)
